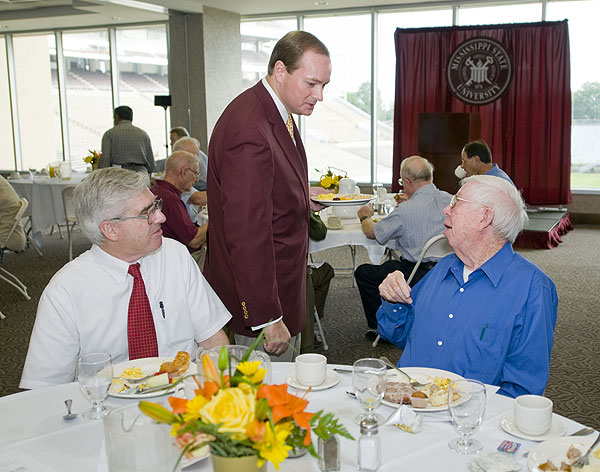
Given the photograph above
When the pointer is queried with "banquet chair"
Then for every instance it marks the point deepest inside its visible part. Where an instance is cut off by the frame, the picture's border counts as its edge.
(436, 247)
(28, 226)
(4, 274)
(70, 219)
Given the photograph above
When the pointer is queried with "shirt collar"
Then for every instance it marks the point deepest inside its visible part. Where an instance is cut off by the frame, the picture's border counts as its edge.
(280, 106)
(116, 268)
(493, 268)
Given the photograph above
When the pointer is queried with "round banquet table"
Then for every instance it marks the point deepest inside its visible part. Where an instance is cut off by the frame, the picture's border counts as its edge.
(32, 426)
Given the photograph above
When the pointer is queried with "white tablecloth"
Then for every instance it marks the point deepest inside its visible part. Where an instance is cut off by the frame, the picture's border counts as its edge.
(32, 425)
(350, 234)
(45, 200)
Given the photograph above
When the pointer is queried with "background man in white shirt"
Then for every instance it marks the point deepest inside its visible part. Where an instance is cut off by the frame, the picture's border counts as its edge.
(86, 307)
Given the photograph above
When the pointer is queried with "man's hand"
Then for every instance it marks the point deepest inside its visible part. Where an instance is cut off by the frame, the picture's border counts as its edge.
(365, 210)
(395, 289)
(313, 192)
(198, 198)
(276, 338)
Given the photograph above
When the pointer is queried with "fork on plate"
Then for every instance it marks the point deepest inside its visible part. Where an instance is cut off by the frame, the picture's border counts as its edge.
(135, 381)
(413, 382)
(585, 459)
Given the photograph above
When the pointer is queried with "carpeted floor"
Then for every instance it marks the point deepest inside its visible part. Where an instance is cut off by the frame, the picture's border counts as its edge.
(574, 266)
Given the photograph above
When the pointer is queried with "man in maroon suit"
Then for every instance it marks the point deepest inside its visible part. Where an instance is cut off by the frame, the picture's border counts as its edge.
(258, 198)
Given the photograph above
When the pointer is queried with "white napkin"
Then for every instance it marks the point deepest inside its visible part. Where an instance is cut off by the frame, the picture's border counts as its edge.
(494, 462)
(405, 419)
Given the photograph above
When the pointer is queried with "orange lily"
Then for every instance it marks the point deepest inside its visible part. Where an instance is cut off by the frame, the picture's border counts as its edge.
(256, 430)
(178, 404)
(210, 370)
(284, 405)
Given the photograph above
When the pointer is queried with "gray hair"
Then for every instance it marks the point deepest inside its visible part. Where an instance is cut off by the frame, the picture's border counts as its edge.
(182, 144)
(180, 159)
(416, 168)
(510, 216)
(103, 195)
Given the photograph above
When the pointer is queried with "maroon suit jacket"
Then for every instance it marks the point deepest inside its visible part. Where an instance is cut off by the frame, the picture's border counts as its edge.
(258, 208)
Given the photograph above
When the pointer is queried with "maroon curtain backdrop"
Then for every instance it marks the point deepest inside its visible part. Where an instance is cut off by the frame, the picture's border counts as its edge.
(528, 128)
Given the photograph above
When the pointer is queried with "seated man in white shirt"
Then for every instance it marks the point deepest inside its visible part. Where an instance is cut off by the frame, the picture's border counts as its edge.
(89, 306)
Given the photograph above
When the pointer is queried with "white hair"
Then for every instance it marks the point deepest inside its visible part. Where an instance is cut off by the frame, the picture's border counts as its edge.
(103, 195)
(500, 195)
(182, 144)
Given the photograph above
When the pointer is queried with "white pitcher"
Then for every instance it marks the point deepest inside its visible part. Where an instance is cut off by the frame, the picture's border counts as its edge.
(348, 186)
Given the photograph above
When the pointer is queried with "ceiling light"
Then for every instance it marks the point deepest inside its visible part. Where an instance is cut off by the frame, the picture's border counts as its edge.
(116, 18)
(321, 4)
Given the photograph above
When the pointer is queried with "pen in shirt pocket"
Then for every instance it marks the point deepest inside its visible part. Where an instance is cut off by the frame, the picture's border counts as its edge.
(162, 308)
(480, 337)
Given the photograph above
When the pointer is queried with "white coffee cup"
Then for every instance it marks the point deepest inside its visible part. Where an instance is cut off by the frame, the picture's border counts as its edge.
(311, 369)
(347, 186)
(460, 172)
(533, 414)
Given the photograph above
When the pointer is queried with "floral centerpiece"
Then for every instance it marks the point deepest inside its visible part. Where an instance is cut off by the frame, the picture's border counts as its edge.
(330, 180)
(92, 158)
(237, 416)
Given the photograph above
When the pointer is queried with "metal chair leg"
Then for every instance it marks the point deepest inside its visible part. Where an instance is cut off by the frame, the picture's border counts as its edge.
(376, 341)
(15, 282)
(2, 317)
(325, 346)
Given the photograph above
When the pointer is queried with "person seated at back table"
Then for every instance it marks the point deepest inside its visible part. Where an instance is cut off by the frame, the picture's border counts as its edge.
(485, 312)
(134, 294)
(10, 204)
(411, 225)
(476, 159)
(180, 174)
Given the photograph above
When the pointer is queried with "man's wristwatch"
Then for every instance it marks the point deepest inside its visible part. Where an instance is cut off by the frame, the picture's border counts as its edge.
(363, 218)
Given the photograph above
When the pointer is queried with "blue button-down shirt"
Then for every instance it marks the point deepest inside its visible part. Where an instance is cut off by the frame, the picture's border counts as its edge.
(497, 172)
(498, 327)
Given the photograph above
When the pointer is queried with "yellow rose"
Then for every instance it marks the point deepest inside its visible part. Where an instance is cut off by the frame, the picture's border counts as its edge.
(326, 182)
(232, 407)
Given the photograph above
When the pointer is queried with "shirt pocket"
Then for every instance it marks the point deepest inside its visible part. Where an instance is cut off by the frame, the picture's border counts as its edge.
(484, 349)
(175, 327)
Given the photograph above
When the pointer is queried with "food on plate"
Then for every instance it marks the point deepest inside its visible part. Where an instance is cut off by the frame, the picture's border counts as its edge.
(132, 373)
(338, 197)
(398, 392)
(158, 380)
(419, 399)
(178, 367)
(438, 392)
(573, 454)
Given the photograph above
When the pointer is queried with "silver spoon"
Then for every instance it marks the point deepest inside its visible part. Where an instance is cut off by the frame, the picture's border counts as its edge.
(69, 415)
(413, 382)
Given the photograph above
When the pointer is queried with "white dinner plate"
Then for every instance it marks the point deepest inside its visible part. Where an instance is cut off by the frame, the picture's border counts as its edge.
(332, 379)
(423, 375)
(364, 199)
(558, 428)
(556, 449)
(148, 366)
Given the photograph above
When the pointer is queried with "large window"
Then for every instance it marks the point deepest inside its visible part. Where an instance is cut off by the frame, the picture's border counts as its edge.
(37, 101)
(7, 156)
(585, 88)
(142, 62)
(88, 85)
(338, 133)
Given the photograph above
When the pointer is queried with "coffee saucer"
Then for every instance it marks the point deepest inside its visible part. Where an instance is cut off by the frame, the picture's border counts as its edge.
(558, 428)
(332, 379)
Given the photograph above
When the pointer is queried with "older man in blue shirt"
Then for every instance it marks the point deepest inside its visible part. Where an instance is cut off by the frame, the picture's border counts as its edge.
(484, 312)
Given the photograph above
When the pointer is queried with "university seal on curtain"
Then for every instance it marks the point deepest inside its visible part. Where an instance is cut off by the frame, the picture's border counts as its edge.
(479, 71)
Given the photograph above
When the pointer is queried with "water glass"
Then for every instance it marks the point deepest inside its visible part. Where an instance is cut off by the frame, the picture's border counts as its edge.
(94, 374)
(369, 378)
(378, 191)
(466, 402)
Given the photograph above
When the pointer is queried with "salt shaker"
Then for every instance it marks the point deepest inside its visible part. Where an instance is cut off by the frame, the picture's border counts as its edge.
(329, 451)
(369, 446)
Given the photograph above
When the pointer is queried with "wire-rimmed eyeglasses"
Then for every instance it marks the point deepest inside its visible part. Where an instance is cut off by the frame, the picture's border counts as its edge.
(146, 213)
(197, 174)
(456, 199)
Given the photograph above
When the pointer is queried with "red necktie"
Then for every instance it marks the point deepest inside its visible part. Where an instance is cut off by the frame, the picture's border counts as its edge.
(141, 334)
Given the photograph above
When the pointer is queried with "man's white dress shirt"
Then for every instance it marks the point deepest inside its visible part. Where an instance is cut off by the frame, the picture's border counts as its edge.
(84, 309)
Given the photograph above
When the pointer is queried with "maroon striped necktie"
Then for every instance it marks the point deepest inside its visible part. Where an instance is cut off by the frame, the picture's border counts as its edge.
(141, 334)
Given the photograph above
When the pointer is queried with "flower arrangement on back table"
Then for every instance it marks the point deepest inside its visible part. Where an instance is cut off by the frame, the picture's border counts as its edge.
(330, 180)
(237, 415)
(92, 158)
